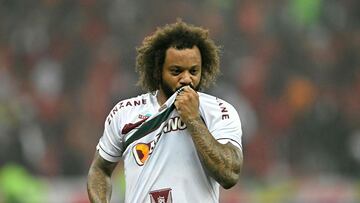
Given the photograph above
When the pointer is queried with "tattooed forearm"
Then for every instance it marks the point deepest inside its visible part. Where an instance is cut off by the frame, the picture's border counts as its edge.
(99, 180)
(99, 186)
(223, 162)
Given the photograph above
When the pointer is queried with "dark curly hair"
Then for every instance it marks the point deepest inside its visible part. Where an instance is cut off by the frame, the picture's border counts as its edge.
(179, 35)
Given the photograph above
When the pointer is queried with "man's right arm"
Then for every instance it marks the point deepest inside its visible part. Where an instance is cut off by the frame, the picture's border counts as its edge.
(99, 179)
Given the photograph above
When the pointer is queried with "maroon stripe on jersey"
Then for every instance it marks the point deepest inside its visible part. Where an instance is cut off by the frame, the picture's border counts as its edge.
(128, 127)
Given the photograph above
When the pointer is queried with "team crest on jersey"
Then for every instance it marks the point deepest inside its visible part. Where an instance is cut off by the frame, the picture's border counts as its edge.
(142, 151)
(161, 196)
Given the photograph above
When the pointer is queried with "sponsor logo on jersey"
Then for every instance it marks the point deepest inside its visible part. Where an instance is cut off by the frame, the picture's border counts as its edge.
(223, 109)
(142, 151)
(174, 124)
(122, 104)
(161, 196)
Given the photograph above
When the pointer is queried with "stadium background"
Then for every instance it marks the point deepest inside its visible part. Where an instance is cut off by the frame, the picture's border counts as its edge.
(290, 67)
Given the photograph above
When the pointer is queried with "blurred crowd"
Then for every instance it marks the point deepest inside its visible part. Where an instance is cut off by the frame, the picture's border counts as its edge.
(291, 68)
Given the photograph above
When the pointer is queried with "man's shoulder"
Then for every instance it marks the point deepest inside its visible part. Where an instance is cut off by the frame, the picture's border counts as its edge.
(210, 104)
(211, 99)
(126, 108)
(206, 97)
(136, 101)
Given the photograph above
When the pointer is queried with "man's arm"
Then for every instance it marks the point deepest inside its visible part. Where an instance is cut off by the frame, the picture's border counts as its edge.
(222, 161)
(99, 180)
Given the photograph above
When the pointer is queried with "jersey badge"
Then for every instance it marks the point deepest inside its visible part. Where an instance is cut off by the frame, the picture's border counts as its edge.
(146, 116)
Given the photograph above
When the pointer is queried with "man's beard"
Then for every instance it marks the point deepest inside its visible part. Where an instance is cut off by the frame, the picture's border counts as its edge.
(168, 91)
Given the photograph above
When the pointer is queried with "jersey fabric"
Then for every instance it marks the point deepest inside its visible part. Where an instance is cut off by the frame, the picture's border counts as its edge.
(163, 165)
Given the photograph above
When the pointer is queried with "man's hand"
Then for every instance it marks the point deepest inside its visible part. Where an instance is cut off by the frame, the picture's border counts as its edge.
(187, 104)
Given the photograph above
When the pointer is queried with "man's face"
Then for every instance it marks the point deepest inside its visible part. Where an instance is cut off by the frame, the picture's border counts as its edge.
(181, 68)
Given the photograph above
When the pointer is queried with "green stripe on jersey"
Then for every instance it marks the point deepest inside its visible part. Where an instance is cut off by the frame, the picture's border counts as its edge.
(149, 126)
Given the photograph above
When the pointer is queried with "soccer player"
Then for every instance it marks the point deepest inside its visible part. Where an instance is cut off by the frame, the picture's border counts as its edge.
(177, 143)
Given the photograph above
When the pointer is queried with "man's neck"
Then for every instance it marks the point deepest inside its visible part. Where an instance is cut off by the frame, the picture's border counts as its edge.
(161, 98)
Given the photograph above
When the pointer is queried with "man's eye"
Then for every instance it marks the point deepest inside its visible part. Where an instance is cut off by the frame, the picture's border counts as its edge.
(193, 71)
(175, 72)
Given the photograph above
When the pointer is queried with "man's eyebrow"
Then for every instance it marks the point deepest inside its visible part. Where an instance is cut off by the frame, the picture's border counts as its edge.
(195, 66)
(182, 67)
(176, 66)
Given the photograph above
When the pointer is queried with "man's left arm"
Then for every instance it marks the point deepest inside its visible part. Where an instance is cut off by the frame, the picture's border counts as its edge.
(222, 161)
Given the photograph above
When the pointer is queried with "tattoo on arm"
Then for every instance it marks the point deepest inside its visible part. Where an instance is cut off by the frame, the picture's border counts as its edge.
(222, 161)
(99, 180)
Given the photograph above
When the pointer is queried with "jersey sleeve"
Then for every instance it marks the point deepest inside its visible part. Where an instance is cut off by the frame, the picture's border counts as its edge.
(111, 143)
(224, 123)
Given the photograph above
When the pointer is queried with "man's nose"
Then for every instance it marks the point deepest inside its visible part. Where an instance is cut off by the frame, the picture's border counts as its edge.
(185, 78)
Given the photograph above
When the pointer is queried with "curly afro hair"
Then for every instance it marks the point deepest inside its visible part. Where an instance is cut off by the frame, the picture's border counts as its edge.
(179, 35)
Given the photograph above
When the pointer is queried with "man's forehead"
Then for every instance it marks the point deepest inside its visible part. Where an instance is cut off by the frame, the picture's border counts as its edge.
(187, 52)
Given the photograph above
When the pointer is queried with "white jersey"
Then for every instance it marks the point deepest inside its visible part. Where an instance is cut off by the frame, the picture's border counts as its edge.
(163, 166)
